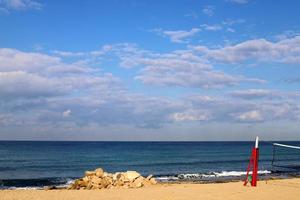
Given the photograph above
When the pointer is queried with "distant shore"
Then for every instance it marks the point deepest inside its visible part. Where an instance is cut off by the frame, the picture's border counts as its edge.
(266, 190)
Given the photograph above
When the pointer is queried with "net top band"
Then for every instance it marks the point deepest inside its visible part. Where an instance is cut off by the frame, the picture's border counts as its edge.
(288, 146)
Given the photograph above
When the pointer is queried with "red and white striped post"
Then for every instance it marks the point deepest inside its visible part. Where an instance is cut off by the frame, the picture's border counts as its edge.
(255, 154)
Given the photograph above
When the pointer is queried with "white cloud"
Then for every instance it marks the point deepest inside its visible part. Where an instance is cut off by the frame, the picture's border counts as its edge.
(179, 68)
(283, 51)
(178, 36)
(231, 22)
(192, 14)
(287, 34)
(12, 60)
(250, 116)
(68, 53)
(56, 89)
(208, 10)
(22, 84)
(36, 94)
(67, 113)
(191, 115)
(166, 76)
(20, 5)
(239, 1)
(254, 94)
(211, 27)
(230, 30)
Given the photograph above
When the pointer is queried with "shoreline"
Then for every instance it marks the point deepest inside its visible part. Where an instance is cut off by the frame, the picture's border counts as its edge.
(266, 190)
(176, 182)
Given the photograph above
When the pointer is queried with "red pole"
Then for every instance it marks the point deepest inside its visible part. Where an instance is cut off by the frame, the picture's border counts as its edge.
(253, 164)
(255, 153)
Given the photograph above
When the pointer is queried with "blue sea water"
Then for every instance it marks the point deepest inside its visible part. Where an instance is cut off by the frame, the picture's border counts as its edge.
(36, 163)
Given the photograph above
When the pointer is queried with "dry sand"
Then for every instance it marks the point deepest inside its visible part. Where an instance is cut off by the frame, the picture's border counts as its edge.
(288, 189)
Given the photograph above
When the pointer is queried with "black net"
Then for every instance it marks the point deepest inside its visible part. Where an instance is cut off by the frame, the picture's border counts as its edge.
(286, 157)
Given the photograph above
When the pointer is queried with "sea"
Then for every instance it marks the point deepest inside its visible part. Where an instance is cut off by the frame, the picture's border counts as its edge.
(36, 164)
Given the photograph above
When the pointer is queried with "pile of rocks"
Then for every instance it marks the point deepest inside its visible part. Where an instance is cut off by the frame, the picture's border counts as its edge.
(98, 179)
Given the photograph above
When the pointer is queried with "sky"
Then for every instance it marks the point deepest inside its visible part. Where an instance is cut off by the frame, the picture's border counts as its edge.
(188, 70)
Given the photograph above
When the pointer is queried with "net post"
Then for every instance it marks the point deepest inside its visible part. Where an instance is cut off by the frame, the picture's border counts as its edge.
(255, 154)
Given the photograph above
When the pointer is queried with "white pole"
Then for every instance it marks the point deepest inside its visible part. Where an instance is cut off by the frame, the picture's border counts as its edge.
(256, 142)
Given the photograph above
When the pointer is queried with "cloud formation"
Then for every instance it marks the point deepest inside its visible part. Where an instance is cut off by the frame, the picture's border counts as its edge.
(207, 27)
(8, 5)
(250, 116)
(73, 94)
(208, 10)
(178, 36)
(261, 50)
(183, 68)
(239, 1)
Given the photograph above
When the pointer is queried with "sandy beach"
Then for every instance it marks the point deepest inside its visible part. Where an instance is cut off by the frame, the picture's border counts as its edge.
(288, 189)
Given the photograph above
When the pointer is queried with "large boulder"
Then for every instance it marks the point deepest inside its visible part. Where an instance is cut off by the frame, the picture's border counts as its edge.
(86, 179)
(153, 181)
(99, 172)
(90, 173)
(118, 183)
(131, 175)
(146, 182)
(149, 177)
(104, 183)
(137, 183)
(108, 179)
(105, 174)
(116, 176)
(95, 180)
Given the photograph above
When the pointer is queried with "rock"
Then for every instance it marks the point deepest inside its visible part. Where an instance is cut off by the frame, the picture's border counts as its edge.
(139, 179)
(99, 172)
(121, 177)
(99, 179)
(82, 183)
(119, 183)
(96, 180)
(77, 185)
(149, 177)
(86, 178)
(109, 180)
(138, 182)
(146, 182)
(89, 186)
(115, 176)
(105, 174)
(131, 175)
(104, 183)
(50, 187)
(153, 181)
(135, 185)
(109, 186)
(89, 173)
(97, 187)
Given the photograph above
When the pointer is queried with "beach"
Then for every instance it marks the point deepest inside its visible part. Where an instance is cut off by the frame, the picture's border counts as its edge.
(288, 189)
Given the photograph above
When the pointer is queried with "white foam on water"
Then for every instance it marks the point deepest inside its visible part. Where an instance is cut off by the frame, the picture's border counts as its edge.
(167, 178)
(68, 183)
(24, 188)
(209, 175)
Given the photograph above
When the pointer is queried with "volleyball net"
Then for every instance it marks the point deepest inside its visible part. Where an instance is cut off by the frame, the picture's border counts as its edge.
(286, 157)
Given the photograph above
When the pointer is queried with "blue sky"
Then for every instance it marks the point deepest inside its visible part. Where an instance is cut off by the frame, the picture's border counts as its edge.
(149, 70)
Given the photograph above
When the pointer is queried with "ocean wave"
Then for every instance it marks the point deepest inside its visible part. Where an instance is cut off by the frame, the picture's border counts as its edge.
(36, 184)
(24, 184)
(207, 176)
